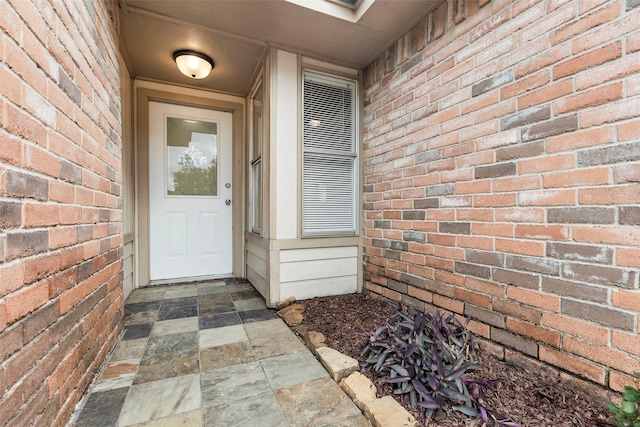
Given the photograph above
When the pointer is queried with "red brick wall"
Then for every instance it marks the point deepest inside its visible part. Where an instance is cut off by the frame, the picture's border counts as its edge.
(501, 169)
(60, 206)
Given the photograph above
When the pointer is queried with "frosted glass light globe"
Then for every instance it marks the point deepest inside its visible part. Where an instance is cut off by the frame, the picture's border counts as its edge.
(193, 64)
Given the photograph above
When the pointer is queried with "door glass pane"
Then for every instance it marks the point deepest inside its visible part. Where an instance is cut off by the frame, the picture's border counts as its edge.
(192, 157)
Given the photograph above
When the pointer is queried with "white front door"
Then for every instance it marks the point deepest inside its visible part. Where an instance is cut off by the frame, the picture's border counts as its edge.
(190, 161)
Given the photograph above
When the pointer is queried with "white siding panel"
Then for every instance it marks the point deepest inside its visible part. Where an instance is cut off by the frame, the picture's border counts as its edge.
(257, 250)
(257, 268)
(258, 282)
(128, 250)
(127, 269)
(256, 264)
(318, 253)
(257, 259)
(305, 270)
(127, 284)
(319, 287)
(308, 273)
(127, 266)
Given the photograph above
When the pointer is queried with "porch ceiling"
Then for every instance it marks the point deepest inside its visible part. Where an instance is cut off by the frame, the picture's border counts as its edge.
(237, 33)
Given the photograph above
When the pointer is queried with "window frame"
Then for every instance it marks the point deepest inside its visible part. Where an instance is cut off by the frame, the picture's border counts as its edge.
(353, 155)
(256, 175)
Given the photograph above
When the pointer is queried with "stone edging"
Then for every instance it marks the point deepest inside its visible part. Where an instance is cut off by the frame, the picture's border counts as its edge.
(381, 412)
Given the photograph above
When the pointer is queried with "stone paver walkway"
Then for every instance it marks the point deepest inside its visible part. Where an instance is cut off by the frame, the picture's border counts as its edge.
(212, 354)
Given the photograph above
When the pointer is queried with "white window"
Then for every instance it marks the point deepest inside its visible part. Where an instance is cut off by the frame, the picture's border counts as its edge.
(255, 200)
(330, 156)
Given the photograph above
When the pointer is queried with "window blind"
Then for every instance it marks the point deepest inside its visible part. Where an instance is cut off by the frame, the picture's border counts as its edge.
(329, 170)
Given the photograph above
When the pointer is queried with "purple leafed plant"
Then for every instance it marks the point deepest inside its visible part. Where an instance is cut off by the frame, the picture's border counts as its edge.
(428, 357)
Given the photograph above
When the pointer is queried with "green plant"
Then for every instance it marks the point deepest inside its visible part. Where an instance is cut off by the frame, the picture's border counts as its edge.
(427, 357)
(628, 413)
(197, 181)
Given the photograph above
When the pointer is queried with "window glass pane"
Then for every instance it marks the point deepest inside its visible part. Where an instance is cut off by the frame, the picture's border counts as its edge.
(328, 115)
(256, 214)
(330, 158)
(257, 123)
(328, 194)
(192, 157)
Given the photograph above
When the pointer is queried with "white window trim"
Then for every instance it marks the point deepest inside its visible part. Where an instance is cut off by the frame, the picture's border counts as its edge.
(353, 155)
(255, 161)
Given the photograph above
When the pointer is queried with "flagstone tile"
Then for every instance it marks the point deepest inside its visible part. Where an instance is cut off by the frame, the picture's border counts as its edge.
(240, 295)
(120, 368)
(233, 383)
(236, 281)
(160, 399)
(267, 327)
(221, 336)
(316, 403)
(174, 326)
(215, 308)
(140, 317)
(114, 383)
(141, 306)
(162, 366)
(146, 295)
(210, 284)
(186, 343)
(102, 408)
(291, 369)
(137, 331)
(249, 304)
(217, 298)
(226, 355)
(240, 287)
(257, 315)
(178, 308)
(129, 349)
(219, 320)
(272, 338)
(259, 410)
(187, 419)
(212, 289)
(181, 291)
(355, 421)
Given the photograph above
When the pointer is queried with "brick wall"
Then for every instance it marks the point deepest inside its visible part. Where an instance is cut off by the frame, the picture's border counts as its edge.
(60, 205)
(501, 169)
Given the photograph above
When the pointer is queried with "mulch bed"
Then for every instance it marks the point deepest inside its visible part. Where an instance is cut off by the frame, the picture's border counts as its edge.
(524, 396)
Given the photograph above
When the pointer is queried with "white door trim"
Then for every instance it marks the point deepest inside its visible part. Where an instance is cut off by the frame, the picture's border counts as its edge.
(143, 97)
(191, 231)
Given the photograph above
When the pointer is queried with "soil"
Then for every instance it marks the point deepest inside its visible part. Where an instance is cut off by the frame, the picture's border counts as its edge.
(524, 395)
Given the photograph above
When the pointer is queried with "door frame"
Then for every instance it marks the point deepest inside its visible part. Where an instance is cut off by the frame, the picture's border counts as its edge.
(144, 96)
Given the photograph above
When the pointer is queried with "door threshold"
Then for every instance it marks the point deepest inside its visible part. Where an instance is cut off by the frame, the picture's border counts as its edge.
(182, 280)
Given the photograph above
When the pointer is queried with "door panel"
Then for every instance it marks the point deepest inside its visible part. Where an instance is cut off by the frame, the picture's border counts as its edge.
(190, 177)
(209, 227)
(177, 233)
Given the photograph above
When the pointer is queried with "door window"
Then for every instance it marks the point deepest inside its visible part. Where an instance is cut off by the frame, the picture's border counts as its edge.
(192, 157)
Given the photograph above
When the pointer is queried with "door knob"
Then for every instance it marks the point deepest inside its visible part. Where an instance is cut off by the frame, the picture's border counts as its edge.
(227, 202)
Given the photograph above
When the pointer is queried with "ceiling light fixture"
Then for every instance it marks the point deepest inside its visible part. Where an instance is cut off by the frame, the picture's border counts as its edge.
(193, 64)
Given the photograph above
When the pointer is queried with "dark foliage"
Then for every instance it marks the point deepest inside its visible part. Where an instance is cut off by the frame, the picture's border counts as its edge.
(428, 357)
